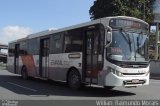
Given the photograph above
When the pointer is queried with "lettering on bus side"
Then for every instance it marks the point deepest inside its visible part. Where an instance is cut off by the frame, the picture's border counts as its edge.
(59, 62)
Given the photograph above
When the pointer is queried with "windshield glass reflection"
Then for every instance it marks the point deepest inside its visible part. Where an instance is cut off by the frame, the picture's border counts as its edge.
(128, 46)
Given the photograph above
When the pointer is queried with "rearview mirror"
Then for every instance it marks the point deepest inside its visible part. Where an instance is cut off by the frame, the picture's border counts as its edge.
(108, 36)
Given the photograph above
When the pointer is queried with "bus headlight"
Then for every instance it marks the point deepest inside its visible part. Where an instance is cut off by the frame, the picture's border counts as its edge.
(148, 72)
(115, 72)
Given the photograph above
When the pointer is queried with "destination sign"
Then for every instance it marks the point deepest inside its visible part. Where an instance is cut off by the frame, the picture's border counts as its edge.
(124, 23)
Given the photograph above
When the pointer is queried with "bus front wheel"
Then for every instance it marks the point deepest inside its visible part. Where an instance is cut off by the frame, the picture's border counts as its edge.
(74, 79)
(24, 73)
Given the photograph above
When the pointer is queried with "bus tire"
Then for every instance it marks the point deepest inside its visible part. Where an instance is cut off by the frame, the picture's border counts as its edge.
(24, 73)
(108, 87)
(74, 79)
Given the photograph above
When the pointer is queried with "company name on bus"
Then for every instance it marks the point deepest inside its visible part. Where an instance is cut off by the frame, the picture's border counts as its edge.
(59, 62)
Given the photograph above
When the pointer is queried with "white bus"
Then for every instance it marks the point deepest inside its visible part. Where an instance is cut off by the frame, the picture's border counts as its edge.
(108, 52)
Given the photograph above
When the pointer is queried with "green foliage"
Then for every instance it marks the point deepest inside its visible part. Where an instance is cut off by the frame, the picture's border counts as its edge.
(133, 8)
(152, 39)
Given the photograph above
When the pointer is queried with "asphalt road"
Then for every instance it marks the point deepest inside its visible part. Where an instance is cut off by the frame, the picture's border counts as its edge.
(13, 87)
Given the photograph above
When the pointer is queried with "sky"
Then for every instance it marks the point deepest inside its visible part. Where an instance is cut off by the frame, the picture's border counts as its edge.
(19, 18)
(156, 7)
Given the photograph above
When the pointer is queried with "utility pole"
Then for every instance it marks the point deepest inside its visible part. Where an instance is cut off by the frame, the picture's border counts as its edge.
(157, 21)
(157, 41)
(144, 8)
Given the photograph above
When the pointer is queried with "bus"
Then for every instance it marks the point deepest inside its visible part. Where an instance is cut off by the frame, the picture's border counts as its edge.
(107, 52)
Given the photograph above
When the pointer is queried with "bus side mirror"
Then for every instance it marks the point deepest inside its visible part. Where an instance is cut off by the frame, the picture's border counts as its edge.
(108, 36)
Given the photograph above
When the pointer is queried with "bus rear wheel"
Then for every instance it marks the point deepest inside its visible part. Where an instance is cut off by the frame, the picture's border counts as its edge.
(24, 73)
(74, 79)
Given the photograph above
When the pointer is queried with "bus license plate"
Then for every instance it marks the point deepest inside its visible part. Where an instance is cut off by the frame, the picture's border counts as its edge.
(135, 81)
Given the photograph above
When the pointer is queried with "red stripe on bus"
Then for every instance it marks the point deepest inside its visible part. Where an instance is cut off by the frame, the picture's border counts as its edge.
(92, 73)
(28, 61)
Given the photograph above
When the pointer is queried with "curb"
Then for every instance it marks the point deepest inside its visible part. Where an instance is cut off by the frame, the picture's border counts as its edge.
(156, 78)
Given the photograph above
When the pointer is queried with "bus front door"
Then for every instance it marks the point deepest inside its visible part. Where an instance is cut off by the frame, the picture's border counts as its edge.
(44, 57)
(92, 44)
(16, 59)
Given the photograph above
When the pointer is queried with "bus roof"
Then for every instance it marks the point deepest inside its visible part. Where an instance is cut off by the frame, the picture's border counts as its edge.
(51, 31)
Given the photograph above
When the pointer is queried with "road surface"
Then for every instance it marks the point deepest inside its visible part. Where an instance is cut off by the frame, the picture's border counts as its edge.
(13, 87)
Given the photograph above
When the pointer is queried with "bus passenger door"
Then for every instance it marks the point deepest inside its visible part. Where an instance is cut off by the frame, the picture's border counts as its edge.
(16, 59)
(92, 56)
(44, 57)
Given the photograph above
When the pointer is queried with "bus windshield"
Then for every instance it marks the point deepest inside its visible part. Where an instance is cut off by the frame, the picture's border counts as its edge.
(128, 46)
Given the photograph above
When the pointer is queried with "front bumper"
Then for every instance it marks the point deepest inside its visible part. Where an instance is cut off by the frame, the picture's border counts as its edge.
(114, 80)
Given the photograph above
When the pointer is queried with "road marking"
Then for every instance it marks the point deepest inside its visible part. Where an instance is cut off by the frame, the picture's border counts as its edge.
(38, 95)
(22, 86)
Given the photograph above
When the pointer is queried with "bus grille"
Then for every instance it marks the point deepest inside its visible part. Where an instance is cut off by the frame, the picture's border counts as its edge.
(130, 82)
(133, 66)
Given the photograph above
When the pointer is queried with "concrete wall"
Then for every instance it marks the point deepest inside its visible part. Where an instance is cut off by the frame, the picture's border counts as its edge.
(155, 68)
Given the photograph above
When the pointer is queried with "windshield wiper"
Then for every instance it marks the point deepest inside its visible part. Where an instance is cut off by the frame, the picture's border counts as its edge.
(139, 39)
(127, 39)
(135, 55)
(139, 42)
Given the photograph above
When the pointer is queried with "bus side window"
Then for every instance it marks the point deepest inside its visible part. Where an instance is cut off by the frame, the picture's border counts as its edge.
(33, 46)
(23, 48)
(11, 49)
(57, 43)
(73, 41)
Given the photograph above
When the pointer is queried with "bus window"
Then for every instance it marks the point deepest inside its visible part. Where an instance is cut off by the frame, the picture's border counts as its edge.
(23, 48)
(11, 49)
(73, 41)
(57, 43)
(33, 46)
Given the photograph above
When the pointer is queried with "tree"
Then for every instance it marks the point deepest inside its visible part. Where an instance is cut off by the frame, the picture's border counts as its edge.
(133, 8)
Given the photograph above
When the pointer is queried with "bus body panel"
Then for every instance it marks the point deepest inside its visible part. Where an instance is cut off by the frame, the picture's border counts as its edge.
(10, 62)
(61, 63)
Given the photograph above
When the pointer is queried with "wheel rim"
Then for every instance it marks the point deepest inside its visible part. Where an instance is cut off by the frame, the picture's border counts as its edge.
(24, 75)
(74, 79)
